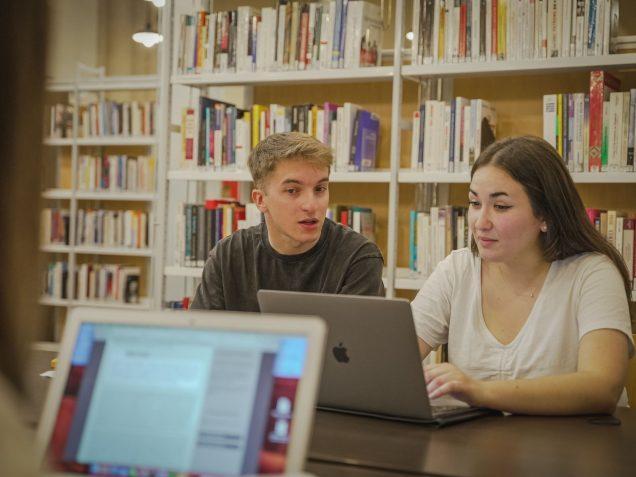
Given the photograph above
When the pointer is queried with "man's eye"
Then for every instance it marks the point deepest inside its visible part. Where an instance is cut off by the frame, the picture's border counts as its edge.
(290, 191)
(321, 189)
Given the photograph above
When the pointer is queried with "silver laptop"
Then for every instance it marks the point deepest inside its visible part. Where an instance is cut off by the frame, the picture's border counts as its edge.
(176, 393)
(372, 361)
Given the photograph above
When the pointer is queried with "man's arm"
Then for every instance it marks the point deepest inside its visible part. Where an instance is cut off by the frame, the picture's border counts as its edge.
(209, 294)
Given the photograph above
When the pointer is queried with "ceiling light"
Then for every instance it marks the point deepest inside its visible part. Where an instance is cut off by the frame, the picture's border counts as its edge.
(147, 38)
(409, 36)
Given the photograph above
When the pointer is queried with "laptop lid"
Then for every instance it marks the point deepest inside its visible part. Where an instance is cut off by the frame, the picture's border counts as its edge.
(157, 393)
(372, 361)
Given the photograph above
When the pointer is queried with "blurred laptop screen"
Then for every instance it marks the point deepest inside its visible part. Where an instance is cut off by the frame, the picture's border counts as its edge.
(153, 400)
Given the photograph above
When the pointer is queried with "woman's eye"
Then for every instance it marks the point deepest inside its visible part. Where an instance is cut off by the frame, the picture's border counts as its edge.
(473, 203)
(502, 207)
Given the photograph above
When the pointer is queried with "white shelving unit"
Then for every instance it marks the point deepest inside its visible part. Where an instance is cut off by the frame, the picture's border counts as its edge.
(395, 278)
(99, 84)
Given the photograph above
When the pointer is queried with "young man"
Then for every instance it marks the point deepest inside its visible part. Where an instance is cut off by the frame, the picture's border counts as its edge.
(296, 248)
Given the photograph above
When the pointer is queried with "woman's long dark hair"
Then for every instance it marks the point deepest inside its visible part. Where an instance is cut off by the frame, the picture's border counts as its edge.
(537, 166)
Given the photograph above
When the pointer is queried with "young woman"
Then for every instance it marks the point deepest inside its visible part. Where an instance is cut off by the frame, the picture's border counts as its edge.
(536, 314)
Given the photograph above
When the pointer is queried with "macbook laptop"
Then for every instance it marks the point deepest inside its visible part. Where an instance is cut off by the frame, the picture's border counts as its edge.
(372, 361)
(181, 393)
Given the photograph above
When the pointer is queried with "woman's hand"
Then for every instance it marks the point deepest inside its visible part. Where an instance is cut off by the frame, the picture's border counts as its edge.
(444, 378)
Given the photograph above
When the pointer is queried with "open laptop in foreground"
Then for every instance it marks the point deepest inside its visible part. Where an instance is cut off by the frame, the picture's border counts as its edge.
(372, 362)
(176, 393)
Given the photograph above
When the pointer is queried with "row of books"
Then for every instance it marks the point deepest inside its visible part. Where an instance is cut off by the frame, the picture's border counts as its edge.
(446, 31)
(434, 234)
(105, 118)
(217, 134)
(55, 226)
(116, 173)
(93, 281)
(360, 219)
(113, 228)
(593, 132)
(200, 226)
(293, 35)
(618, 229)
(448, 137)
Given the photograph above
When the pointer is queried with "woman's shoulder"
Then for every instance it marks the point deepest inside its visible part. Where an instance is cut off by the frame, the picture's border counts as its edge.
(584, 263)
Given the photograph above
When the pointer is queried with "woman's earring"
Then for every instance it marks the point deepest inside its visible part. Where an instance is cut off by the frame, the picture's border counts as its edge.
(544, 228)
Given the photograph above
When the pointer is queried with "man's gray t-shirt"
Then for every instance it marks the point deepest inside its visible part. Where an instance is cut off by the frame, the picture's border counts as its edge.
(342, 261)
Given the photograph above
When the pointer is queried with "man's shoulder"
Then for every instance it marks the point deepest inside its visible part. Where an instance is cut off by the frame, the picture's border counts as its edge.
(347, 241)
(239, 241)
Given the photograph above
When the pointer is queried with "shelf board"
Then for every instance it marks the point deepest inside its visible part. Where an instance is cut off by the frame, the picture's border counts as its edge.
(97, 250)
(381, 175)
(604, 177)
(411, 176)
(96, 195)
(548, 65)
(376, 73)
(55, 248)
(49, 301)
(178, 271)
(58, 141)
(405, 279)
(117, 141)
(110, 83)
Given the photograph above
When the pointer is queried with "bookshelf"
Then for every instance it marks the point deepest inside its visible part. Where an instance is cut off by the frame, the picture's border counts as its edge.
(70, 194)
(515, 86)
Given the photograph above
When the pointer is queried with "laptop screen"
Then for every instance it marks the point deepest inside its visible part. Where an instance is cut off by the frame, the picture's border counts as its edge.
(152, 400)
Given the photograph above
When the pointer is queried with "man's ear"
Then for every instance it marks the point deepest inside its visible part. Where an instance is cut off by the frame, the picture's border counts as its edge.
(258, 197)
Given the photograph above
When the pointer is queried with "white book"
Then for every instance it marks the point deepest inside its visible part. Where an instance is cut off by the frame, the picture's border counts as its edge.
(631, 133)
(607, 15)
(466, 137)
(436, 20)
(353, 34)
(280, 35)
(326, 33)
(415, 30)
(611, 227)
(459, 159)
(550, 118)
(628, 249)
(422, 241)
(619, 233)
(434, 239)
(415, 141)
(566, 25)
(428, 119)
(579, 27)
(349, 115)
(579, 124)
(624, 132)
(444, 160)
(600, 23)
(311, 29)
(615, 127)
(320, 125)
(474, 30)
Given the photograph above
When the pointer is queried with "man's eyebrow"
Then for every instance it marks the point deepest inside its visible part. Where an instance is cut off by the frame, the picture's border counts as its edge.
(296, 181)
(494, 194)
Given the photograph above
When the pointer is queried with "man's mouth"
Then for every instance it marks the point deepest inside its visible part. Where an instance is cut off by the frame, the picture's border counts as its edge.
(309, 221)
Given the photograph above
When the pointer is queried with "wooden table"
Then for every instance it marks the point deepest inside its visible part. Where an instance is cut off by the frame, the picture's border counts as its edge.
(352, 446)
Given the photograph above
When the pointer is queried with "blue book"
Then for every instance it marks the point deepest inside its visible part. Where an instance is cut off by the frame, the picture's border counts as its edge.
(366, 140)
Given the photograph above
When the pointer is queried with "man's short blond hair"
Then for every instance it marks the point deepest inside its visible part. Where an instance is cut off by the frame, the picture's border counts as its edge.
(286, 146)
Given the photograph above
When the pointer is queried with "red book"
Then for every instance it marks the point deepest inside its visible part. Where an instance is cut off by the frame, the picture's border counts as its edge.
(211, 204)
(304, 32)
(344, 217)
(601, 84)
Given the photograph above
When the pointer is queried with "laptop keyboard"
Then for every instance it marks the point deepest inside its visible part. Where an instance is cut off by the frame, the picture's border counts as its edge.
(444, 410)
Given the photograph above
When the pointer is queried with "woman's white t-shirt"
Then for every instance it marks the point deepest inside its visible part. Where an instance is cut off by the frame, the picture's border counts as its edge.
(580, 294)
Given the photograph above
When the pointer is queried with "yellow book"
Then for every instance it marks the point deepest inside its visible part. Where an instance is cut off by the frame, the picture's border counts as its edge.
(502, 28)
(256, 123)
(559, 128)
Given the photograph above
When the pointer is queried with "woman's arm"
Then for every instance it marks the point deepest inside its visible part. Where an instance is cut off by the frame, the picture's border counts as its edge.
(594, 388)
(425, 348)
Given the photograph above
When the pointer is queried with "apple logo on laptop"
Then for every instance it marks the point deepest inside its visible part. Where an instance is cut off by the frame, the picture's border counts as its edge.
(340, 353)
